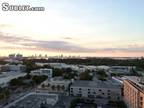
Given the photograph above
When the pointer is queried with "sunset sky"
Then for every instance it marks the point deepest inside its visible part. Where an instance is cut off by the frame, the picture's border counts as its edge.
(112, 28)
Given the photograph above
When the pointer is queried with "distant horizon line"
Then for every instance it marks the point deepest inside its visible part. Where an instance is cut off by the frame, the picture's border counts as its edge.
(68, 56)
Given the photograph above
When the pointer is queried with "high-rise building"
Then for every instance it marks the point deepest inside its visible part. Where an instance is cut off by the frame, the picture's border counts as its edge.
(11, 56)
(134, 92)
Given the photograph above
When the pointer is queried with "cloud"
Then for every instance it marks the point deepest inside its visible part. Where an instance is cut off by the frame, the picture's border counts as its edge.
(68, 38)
(5, 26)
(5, 37)
(56, 45)
(126, 49)
(41, 44)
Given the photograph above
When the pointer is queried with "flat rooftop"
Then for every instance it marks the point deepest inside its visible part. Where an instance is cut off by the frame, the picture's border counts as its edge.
(97, 84)
(135, 80)
(35, 100)
(5, 77)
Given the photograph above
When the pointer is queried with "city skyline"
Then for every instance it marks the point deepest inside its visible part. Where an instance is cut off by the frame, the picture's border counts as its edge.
(79, 27)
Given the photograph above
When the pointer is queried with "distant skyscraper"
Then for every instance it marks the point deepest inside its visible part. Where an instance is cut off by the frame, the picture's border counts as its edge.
(19, 56)
(11, 56)
(15, 56)
(40, 55)
(46, 56)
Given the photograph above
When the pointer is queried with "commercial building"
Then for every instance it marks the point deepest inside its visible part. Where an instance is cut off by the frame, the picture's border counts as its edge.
(96, 89)
(134, 92)
(39, 72)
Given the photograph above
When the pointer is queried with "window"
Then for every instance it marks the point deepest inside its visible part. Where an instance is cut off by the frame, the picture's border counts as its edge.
(108, 90)
(100, 90)
(109, 97)
(79, 95)
(91, 96)
(79, 91)
(108, 94)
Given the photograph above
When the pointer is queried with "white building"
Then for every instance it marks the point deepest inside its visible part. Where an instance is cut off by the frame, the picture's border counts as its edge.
(56, 84)
(6, 77)
(120, 69)
(13, 68)
(39, 72)
(96, 89)
(103, 67)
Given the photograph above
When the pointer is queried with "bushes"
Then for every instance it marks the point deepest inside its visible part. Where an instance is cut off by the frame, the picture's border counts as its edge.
(74, 103)
(16, 82)
(27, 81)
(118, 104)
(4, 93)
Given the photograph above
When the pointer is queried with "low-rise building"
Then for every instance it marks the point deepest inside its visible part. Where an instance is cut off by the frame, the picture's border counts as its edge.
(6, 77)
(36, 100)
(40, 72)
(120, 69)
(96, 89)
(134, 92)
(56, 84)
(103, 67)
(13, 68)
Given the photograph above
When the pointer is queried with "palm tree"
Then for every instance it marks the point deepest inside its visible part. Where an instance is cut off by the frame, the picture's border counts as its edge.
(58, 87)
(53, 87)
(63, 87)
(48, 85)
(43, 86)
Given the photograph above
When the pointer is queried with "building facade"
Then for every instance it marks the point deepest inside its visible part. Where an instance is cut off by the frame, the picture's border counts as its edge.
(39, 72)
(56, 84)
(12, 68)
(95, 90)
(133, 92)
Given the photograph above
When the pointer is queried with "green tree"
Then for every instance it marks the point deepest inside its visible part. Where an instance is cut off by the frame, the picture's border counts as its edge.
(57, 72)
(85, 76)
(16, 82)
(53, 87)
(63, 87)
(58, 87)
(38, 79)
(74, 102)
(102, 75)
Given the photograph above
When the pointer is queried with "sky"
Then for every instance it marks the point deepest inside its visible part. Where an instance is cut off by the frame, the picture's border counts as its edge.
(103, 28)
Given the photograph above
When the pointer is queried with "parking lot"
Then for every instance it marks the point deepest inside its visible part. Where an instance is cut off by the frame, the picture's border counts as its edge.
(36, 100)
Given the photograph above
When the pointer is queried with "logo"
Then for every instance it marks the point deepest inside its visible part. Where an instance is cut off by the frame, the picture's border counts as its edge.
(8, 7)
